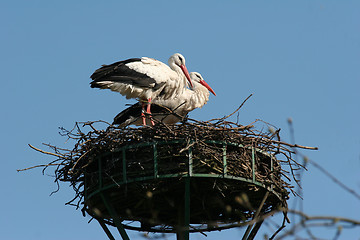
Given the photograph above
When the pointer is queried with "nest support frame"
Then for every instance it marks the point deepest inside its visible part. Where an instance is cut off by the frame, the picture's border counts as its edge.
(183, 192)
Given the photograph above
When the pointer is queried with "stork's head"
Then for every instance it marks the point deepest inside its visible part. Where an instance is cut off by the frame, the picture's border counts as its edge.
(196, 77)
(178, 60)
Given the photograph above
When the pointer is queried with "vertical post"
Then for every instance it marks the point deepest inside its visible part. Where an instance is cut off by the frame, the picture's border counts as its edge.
(155, 160)
(190, 162)
(255, 230)
(114, 216)
(182, 232)
(258, 223)
(100, 172)
(85, 187)
(106, 229)
(224, 160)
(124, 164)
(187, 209)
(253, 163)
(187, 197)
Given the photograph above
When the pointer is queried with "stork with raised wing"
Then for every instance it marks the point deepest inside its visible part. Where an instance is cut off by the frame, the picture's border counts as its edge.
(170, 110)
(144, 79)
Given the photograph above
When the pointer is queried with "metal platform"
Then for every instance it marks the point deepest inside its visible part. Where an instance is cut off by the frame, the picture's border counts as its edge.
(186, 192)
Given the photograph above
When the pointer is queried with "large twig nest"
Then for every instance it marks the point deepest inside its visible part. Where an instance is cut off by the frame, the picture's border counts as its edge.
(229, 195)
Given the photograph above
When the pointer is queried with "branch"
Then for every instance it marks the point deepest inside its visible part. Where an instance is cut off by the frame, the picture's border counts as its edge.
(330, 218)
(322, 221)
(43, 165)
(48, 153)
(233, 112)
(342, 185)
(295, 145)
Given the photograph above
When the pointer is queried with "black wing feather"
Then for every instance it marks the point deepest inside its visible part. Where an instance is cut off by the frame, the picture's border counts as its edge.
(119, 72)
(134, 112)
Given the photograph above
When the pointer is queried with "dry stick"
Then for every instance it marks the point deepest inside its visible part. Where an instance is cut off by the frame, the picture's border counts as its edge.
(299, 188)
(256, 216)
(102, 121)
(269, 124)
(238, 107)
(233, 112)
(306, 218)
(48, 153)
(72, 169)
(43, 165)
(295, 145)
(234, 128)
(199, 232)
(337, 234)
(165, 125)
(330, 218)
(334, 179)
(56, 148)
(281, 227)
(93, 128)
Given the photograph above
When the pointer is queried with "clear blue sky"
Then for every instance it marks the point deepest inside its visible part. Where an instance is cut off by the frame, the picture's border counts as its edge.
(300, 59)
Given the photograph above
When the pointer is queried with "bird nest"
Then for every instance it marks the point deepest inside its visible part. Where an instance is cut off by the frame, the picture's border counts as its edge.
(229, 172)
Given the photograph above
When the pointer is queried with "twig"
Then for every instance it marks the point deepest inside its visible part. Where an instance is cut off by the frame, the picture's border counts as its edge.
(323, 221)
(295, 145)
(232, 112)
(37, 166)
(334, 179)
(238, 107)
(48, 153)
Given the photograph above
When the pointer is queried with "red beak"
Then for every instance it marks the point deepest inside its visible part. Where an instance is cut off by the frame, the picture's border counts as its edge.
(207, 86)
(187, 75)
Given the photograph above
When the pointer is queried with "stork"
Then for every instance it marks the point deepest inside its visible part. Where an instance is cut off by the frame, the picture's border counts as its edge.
(170, 110)
(144, 79)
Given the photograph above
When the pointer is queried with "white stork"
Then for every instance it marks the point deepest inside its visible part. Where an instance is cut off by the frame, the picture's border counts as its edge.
(181, 105)
(144, 78)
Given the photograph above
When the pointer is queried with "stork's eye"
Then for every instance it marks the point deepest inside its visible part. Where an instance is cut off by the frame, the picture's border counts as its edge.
(181, 60)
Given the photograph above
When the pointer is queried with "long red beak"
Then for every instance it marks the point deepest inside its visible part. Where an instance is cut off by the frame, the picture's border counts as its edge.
(207, 86)
(187, 75)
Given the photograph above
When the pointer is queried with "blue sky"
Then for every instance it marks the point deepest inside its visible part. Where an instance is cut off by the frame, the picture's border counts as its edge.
(300, 59)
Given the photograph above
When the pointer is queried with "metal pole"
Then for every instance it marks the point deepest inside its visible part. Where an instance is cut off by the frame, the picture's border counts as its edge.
(187, 198)
(187, 208)
(224, 160)
(182, 232)
(106, 229)
(190, 162)
(124, 164)
(258, 224)
(155, 160)
(255, 230)
(115, 217)
(100, 172)
(253, 163)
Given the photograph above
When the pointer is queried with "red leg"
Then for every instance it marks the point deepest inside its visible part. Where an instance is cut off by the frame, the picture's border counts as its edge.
(149, 112)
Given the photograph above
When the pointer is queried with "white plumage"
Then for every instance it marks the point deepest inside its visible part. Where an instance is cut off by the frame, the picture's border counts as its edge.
(144, 78)
(181, 105)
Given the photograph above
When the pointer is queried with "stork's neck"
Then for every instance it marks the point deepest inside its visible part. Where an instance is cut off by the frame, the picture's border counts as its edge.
(182, 82)
(173, 65)
(197, 97)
